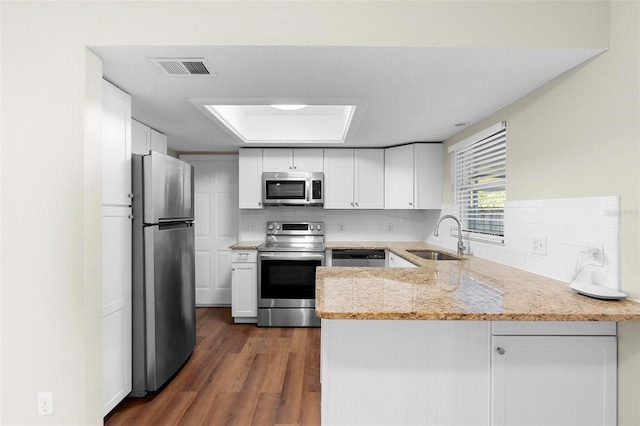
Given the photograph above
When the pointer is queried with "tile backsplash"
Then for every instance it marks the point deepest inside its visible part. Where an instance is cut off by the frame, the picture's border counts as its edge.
(569, 225)
(340, 225)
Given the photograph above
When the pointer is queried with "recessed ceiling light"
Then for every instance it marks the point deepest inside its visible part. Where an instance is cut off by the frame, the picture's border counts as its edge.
(289, 107)
(318, 121)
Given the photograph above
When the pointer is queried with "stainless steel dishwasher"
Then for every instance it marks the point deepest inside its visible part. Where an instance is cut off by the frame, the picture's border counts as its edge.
(358, 258)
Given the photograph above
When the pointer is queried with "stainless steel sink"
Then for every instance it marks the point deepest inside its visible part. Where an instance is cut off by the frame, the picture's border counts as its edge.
(433, 255)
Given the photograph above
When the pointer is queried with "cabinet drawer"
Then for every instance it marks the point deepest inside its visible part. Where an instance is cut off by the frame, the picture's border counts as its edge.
(244, 256)
(553, 328)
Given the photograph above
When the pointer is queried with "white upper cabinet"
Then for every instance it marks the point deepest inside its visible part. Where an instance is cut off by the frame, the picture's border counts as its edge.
(354, 179)
(369, 178)
(145, 139)
(140, 138)
(338, 178)
(292, 160)
(427, 171)
(399, 177)
(158, 142)
(250, 178)
(116, 146)
(413, 176)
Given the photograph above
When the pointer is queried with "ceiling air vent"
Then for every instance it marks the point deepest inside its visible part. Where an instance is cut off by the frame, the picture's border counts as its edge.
(184, 66)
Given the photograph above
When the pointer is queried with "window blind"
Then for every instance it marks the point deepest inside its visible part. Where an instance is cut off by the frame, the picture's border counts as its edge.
(480, 185)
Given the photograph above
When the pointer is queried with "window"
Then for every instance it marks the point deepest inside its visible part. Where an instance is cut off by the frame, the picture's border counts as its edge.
(479, 180)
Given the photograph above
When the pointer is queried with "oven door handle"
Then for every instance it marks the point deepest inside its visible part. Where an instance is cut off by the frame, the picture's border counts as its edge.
(291, 256)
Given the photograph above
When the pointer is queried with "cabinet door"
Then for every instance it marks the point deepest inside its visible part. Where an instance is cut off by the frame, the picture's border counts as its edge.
(396, 261)
(428, 160)
(338, 179)
(369, 178)
(158, 142)
(250, 178)
(277, 160)
(553, 380)
(116, 146)
(308, 160)
(244, 290)
(399, 177)
(140, 138)
(116, 309)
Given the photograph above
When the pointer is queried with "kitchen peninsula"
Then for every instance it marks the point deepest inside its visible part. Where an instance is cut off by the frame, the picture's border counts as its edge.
(482, 328)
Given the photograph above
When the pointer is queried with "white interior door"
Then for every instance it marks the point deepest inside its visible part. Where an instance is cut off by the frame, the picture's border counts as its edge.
(216, 225)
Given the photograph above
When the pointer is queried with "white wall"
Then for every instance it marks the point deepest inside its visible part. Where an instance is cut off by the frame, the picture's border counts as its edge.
(579, 136)
(50, 174)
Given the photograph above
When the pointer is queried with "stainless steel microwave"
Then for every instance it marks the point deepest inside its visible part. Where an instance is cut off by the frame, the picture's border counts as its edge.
(292, 189)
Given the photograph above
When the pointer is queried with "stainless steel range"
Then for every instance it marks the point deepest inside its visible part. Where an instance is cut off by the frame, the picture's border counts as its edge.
(287, 264)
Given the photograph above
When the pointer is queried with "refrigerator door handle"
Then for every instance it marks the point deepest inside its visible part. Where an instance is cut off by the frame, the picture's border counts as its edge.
(174, 225)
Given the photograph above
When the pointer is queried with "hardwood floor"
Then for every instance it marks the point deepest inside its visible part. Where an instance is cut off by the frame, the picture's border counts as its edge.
(238, 374)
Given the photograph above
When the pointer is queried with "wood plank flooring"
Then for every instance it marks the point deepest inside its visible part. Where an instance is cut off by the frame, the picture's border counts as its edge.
(238, 374)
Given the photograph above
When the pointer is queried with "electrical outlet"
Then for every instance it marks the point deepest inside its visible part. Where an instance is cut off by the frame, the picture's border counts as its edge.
(341, 227)
(390, 227)
(597, 258)
(539, 246)
(45, 403)
(251, 226)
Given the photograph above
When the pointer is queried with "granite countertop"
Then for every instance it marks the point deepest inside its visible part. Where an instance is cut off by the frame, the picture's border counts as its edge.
(468, 289)
(245, 245)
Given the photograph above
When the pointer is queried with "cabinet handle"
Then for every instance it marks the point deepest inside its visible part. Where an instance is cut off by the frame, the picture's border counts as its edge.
(259, 203)
(500, 351)
(130, 196)
(130, 216)
(410, 204)
(351, 204)
(233, 269)
(357, 204)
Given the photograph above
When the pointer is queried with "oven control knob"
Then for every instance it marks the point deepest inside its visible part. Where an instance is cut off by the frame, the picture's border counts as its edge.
(312, 227)
(319, 227)
(270, 227)
(277, 227)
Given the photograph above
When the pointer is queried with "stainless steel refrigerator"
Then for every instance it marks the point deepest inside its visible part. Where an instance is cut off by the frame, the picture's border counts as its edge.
(164, 316)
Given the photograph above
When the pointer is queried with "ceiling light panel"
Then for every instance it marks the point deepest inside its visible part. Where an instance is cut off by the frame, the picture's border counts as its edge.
(262, 123)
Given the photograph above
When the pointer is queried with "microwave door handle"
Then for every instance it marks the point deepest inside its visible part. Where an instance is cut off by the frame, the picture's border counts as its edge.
(308, 185)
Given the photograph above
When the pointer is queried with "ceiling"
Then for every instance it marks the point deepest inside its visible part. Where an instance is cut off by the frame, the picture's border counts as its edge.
(411, 94)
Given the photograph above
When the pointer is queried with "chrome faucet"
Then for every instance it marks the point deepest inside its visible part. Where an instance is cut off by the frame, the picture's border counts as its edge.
(461, 246)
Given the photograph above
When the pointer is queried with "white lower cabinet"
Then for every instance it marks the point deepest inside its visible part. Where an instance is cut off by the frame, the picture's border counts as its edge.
(396, 261)
(397, 372)
(116, 305)
(553, 380)
(392, 372)
(244, 286)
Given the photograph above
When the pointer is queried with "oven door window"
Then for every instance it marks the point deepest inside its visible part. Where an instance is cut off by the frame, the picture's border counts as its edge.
(288, 279)
(285, 190)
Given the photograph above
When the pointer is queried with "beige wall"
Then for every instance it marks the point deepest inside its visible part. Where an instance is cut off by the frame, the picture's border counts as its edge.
(579, 136)
(50, 258)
